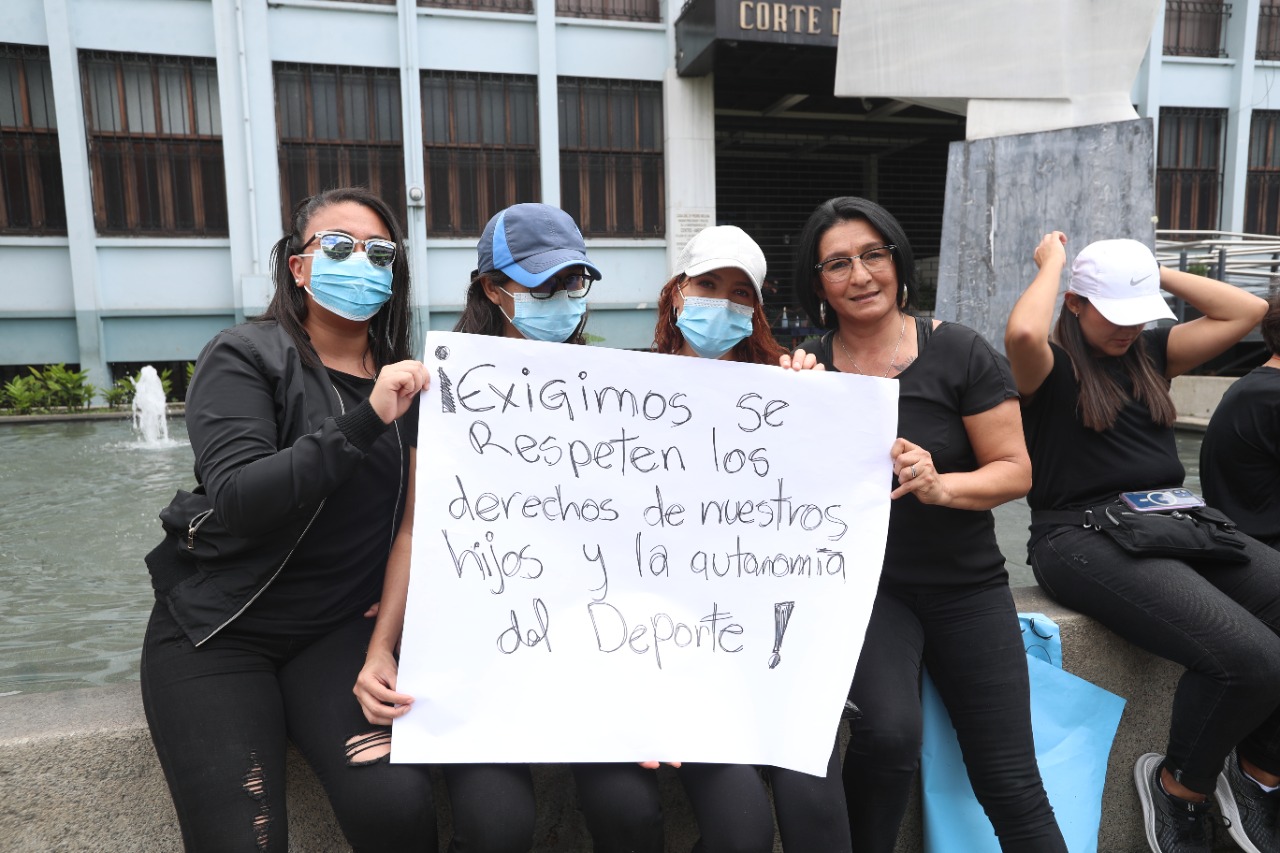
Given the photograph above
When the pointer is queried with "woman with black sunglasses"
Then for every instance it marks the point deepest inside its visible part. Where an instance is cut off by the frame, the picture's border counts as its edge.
(302, 429)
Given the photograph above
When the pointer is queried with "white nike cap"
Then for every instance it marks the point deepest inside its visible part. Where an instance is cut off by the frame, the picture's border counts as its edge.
(1122, 280)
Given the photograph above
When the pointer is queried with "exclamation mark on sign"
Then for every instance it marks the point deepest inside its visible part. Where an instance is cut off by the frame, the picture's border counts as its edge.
(781, 616)
(447, 403)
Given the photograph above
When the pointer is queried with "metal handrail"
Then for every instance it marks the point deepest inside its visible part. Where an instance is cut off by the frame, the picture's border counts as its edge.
(1249, 260)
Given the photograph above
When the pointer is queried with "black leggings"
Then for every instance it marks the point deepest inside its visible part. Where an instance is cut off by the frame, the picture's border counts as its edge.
(221, 715)
(970, 640)
(730, 802)
(1220, 621)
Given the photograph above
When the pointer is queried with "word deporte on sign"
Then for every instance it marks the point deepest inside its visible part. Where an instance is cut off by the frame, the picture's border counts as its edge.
(796, 18)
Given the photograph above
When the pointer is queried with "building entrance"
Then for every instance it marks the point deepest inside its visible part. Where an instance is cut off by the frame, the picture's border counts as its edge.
(784, 144)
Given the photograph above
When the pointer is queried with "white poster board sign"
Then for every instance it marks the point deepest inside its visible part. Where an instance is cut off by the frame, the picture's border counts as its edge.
(624, 556)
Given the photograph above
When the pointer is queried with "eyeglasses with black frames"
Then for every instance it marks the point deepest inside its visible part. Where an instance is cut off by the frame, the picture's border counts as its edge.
(838, 270)
(575, 285)
(338, 246)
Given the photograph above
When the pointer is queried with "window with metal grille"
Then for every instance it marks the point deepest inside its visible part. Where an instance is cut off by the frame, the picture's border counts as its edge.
(611, 162)
(617, 10)
(522, 6)
(480, 133)
(1195, 27)
(339, 127)
(31, 198)
(1189, 168)
(1262, 183)
(155, 144)
(1269, 30)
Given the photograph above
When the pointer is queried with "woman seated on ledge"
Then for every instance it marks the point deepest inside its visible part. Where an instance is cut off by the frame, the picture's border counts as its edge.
(944, 598)
(712, 307)
(1240, 451)
(1099, 422)
(301, 422)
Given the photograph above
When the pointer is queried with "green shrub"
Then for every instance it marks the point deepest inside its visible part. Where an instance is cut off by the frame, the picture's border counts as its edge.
(25, 394)
(120, 394)
(69, 388)
(166, 381)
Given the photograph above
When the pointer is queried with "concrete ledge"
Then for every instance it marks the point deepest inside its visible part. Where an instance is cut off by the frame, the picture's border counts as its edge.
(78, 772)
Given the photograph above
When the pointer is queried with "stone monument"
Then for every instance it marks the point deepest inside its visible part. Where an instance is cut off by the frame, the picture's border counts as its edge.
(1052, 139)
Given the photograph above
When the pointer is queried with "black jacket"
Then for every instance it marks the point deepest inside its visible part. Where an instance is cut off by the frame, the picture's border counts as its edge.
(271, 442)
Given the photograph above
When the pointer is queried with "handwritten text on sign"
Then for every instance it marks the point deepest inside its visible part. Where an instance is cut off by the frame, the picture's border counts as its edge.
(624, 556)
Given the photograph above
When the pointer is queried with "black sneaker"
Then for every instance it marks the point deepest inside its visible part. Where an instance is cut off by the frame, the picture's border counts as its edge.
(1251, 810)
(1173, 825)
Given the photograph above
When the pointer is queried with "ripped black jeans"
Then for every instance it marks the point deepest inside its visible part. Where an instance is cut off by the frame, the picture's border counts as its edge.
(221, 716)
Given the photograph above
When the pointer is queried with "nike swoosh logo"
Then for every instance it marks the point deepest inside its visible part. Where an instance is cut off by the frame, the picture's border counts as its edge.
(1134, 282)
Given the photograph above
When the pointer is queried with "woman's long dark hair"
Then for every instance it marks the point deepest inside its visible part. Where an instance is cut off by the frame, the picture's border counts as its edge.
(480, 316)
(1101, 397)
(390, 328)
(831, 212)
(757, 348)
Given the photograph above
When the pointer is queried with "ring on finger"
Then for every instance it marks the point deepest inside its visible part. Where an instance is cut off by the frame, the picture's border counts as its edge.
(913, 472)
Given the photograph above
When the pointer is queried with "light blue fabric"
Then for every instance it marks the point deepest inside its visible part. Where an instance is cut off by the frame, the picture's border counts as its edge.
(352, 288)
(1074, 724)
(552, 320)
(713, 326)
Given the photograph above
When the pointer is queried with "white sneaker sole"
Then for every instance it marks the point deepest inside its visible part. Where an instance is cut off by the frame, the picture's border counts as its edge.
(1227, 805)
(1143, 771)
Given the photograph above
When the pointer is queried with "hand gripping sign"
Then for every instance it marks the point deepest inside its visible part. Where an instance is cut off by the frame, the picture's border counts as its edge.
(624, 556)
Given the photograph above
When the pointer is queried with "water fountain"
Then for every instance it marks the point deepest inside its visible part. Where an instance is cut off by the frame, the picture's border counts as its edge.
(149, 417)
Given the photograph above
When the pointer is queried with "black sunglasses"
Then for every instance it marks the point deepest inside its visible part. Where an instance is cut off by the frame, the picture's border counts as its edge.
(338, 246)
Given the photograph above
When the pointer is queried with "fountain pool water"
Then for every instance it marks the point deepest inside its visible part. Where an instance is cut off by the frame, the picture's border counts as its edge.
(80, 501)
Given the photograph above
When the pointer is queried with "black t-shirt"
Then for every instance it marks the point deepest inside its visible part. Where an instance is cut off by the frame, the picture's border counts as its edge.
(956, 374)
(336, 571)
(1074, 467)
(1240, 455)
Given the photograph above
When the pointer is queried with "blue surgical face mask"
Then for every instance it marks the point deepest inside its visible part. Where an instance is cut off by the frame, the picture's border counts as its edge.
(351, 288)
(712, 327)
(552, 320)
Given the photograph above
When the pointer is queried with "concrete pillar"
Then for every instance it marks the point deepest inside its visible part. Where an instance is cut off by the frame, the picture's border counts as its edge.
(246, 97)
(1146, 89)
(73, 152)
(548, 102)
(1241, 44)
(415, 227)
(689, 131)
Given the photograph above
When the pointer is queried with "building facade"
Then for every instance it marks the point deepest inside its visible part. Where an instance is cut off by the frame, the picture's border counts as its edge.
(150, 150)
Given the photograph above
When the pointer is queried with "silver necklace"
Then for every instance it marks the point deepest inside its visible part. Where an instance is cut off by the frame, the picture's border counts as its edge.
(901, 334)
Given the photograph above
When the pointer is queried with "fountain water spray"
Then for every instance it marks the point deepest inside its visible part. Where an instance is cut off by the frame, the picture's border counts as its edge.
(149, 418)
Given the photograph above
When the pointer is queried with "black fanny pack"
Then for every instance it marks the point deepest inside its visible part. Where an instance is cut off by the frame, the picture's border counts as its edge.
(1194, 533)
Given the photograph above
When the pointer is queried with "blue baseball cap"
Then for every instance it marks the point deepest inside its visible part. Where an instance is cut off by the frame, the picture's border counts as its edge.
(530, 243)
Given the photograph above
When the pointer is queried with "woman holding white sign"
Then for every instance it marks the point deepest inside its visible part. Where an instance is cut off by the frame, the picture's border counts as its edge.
(1099, 422)
(944, 598)
(713, 307)
(531, 281)
(301, 421)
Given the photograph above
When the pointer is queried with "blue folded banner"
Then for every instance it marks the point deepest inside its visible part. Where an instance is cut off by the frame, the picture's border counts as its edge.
(1074, 724)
